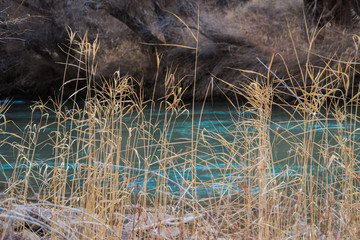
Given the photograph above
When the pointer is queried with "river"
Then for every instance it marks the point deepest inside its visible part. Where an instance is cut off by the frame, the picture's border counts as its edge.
(226, 142)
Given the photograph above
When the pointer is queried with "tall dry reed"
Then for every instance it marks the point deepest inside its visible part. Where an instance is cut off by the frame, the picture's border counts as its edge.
(114, 179)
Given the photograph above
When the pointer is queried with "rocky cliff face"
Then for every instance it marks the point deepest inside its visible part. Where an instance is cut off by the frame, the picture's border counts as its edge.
(231, 35)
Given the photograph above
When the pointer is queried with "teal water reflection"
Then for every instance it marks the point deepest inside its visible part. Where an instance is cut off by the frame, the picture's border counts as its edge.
(221, 137)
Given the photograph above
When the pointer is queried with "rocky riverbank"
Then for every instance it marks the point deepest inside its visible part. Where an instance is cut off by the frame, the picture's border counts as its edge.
(37, 220)
(134, 35)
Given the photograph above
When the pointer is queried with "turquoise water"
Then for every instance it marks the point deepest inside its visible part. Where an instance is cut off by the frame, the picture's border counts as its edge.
(218, 121)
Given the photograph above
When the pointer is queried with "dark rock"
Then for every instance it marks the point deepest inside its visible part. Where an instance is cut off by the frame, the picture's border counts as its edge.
(34, 41)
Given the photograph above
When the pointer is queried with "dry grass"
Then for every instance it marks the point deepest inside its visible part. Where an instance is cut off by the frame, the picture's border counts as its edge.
(109, 179)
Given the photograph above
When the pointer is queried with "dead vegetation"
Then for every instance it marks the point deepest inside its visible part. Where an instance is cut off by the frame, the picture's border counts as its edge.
(112, 180)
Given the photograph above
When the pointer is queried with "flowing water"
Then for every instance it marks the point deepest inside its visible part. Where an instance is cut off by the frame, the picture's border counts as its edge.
(221, 130)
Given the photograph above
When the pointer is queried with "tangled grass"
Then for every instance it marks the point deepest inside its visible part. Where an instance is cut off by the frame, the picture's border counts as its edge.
(111, 179)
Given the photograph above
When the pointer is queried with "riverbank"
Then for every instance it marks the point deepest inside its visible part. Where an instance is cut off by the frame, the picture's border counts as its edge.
(230, 37)
(36, 219)
(117, 170)
(107, 178)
